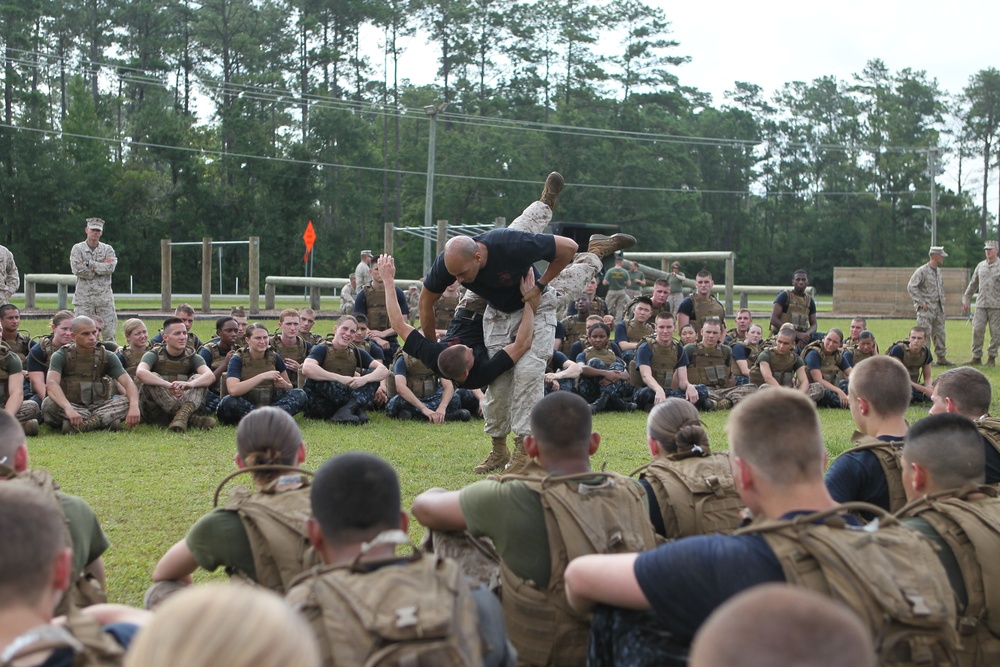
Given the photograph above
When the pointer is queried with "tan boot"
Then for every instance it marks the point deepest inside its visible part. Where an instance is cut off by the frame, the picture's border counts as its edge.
(991, 361)
(497, 459)
(91, 424)
(550, 192)
(179, 423)
(519, 460)
(30, 427)
(605, 246)
(202, 421)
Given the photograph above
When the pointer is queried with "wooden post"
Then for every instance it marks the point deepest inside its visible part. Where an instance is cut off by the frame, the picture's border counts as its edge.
(62, 291)
(442, 235)
(500, 222)
(730, 272)
(314, 297)
(387, 238)
(206, 274)
(165, 272)
(253, 282)
(269, 296)
(29, 293)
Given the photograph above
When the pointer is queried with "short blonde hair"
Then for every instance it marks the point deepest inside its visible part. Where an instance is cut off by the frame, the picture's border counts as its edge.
(199, 627)
(132, 324)
(287, 312)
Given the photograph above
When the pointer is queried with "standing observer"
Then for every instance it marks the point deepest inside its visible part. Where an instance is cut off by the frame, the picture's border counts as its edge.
(986, 281)
(93, 262)
(926, 288)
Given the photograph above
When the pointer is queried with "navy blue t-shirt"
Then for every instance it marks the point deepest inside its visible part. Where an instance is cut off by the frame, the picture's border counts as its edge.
(558, 361)
(992, 461)
(858, 476)
(577, 348)
(509, 254)
(318, 354)
(235, 367)
(813, 361)
(644, 355)
(898, 352)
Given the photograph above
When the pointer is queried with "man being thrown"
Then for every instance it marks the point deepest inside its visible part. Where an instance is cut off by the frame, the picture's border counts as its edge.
(81, 396)
(547, 514)
(490, 265)
(174, 381)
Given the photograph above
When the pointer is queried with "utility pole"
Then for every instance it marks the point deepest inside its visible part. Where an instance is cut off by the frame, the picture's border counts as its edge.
(932, 172)
(432, 111)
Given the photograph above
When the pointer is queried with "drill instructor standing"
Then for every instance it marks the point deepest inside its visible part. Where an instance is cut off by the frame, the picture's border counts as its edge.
(93, 262)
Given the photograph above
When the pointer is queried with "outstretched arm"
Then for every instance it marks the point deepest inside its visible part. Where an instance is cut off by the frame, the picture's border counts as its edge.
(526, 330)
(387, 269)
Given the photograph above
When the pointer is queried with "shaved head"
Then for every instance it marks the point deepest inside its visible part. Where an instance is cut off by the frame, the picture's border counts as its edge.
(80, 322)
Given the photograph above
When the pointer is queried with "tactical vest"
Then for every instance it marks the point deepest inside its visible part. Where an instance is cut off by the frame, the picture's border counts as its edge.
(576, 329)
(782, 368)
(662, 365)
(45, 345)
(420, 379)
(971, 528)
(85, 589)
(312, 338)
(796, 311)
(753, 351)
(295, 352)
(734, 337)
(171, 369)
(702, 309)
(829, 364)
(342, 362)
(82, 634)
(218, 358)
(275, 523)
(696, 495)
(888, 455)
(84, 377)
(598, 306)
(416, 611)
(264, 393)
(606, 356)
(20, 346)
(636, 331)
(582, 516)
(890, 576)
(444, 311)
(989, 428)
(132, 360)
(378, 316)
(711, 367)
(914, 361)
(858, 356)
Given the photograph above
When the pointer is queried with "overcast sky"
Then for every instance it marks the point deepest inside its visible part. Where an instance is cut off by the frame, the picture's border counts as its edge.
(772, 42)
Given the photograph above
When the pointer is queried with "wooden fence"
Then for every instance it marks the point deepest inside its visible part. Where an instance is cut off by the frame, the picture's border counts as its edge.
(880, 291)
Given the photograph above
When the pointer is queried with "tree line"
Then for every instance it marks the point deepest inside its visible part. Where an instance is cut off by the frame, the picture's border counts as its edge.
(230, 118)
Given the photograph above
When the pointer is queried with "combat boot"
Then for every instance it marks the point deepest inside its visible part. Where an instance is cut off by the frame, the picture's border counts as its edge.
(179, 424)
(497, 459)
(600, 404)
(943, 362)
(362, 416)
(519, 460)
(202, 421)
(345, 415)
(91, 424)
(30, 427)
(992, 361)
(550, 192)
(975, 361)
(605, 247)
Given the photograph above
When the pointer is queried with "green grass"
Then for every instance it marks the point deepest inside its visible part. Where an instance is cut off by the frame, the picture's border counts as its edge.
(148, 486)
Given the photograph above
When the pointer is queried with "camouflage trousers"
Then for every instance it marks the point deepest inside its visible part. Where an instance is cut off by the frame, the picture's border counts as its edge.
(323, 398)
(816, 392)
(564, 385)
(591, 388)
(933, 320)
(510, 398)
(234, 408)
(635, 638)
(29, 410)
(110, 411)
(980, 318)
(103, 308)
(645, 397)
(398, 405)
(158, 405)
(734, 394)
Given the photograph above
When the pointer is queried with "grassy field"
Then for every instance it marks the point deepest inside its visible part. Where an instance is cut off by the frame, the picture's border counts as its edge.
(148, 486)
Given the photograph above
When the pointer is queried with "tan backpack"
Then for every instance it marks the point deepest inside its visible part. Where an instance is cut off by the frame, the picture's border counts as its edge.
(275, 524)
(91, 646)
(888, 574)
(696, 495)
(410, 612)
(972, 531)
(86, 589)
(989, 428)
(889, 455)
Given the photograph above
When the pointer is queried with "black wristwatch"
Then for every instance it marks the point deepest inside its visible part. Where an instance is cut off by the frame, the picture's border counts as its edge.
(541, 286)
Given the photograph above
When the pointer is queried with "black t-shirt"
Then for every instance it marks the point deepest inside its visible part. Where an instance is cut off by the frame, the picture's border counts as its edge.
(484, 369)
(509, 254)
